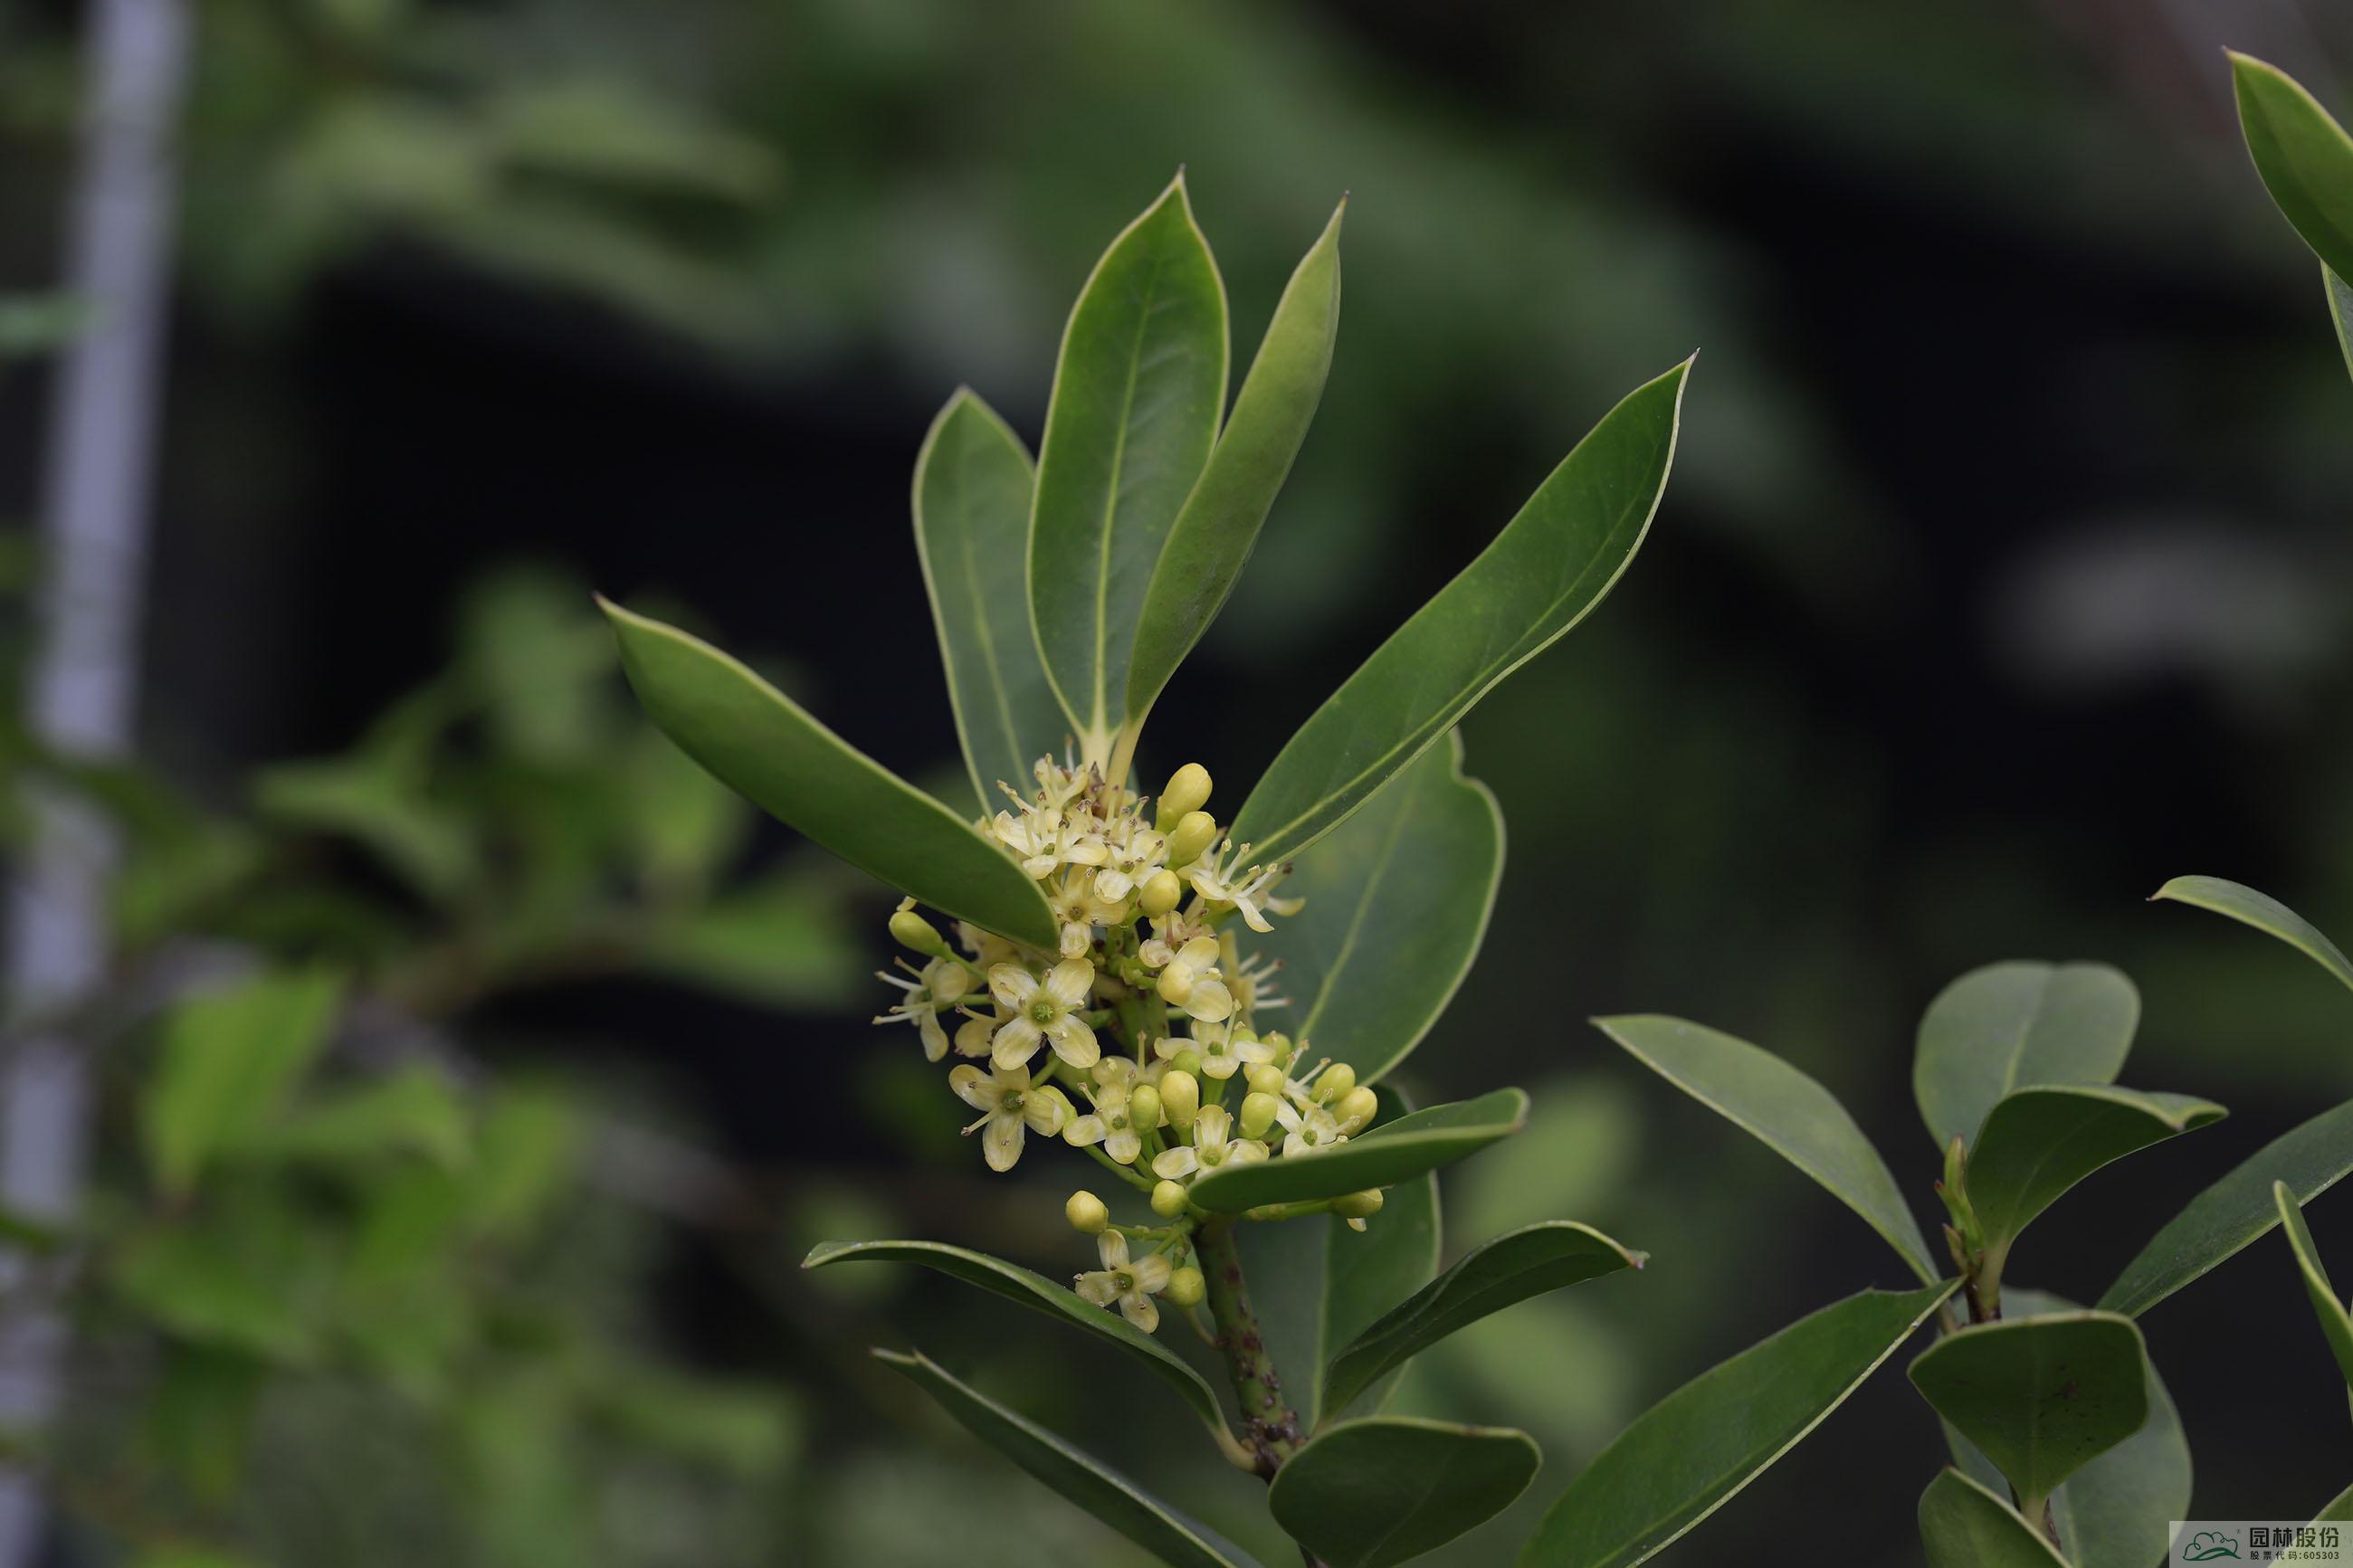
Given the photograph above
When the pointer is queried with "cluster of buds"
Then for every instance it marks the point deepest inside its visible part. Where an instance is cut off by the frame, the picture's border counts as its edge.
(1128, 1040)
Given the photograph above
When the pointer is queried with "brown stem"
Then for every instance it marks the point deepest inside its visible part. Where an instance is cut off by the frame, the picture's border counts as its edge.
(1271, 1428)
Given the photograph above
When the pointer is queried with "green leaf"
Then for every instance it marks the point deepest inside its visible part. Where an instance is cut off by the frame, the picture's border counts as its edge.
(2263, 912)
(1791, 1114)
(249, 1277)
(974, 483)
(228, 1061)
(2340, 311)
(414, 1111)
(2337, 1510)
(1965, 1525)
(2011, 1024)
(1316, 1283)
(2042, 1141)
(2335, 1323)
(1386, 1488)
(1394, 1153)
(1689, 1454)
(2041, 1397)
(2235, 1211)
(1211, 539)
(1494, 1276)
(758, 741)
(1138, 392)
(1551, 565)
(1398, 901)
(1039, 1294)
(1082, 1478)
(778, 942)
(2304, 156)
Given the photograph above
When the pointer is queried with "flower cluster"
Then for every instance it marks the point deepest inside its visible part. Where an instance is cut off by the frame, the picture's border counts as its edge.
(1128, 1040)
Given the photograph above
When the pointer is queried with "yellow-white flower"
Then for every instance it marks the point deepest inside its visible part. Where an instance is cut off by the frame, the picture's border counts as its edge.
(937, 985)
(1307, 1129)
(1132, 1284)
(1109, 1124)
(1213, 1145)
(1008, 1109)
(1224, 1048)
(1046, 1011)
(1191, 982)
(1225, 880)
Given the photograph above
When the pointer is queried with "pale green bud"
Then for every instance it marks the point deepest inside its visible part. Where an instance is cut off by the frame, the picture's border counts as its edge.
(1180, 1095)
(912, 930)
(1143, 1107)
(1086, 1212)
(1358, 1205)
(1258, 1113)
(1264, 1078)
(1188, 791)
(1168, 1200)
(1188, 1060)
(1196, 832)
(1335, 1081)
(1356, 1108)
(1162, 891)
(1185, 1287)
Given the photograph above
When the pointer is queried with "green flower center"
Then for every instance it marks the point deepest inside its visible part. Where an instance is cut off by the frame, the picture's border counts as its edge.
(1126, 1282)
(1045, 1010)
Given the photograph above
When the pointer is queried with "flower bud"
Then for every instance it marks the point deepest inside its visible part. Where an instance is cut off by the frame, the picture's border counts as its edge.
(1180, 1095)
(1163, 891)
(1258, 1113)
(1168, 1200)
(1335, 1081)
(1194, 834)
(1355, 1109)
(1188, 792)
(1185, 1287)
(1086, 1212)
(1358, 1206)
(1143, 1107)
(912, 930)
(1188, 1060)
(1264, 1078)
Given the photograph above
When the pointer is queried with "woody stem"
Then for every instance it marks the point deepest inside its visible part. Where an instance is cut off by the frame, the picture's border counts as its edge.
(1270, 1427)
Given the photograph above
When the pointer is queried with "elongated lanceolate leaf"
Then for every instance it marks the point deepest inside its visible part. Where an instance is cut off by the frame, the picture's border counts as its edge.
(1039, 1294)
(1965, 1524)
(1791, 1114)
(760, 743)
(2263, 912)
(1398, 901)
(2041, 1397)
(2336, 1324)
(1078, 1476)
(1138, 392)
(2041, 1141)
(1684, 1458)
(2304, 156)
(1385, 1489)
(2337, 1510)
(1550, 566)
(2235, 1211)
(1398, 1152)
(2012, 1023)
(973, 486)
(228, 1061)
(1211, 540)
(1510, 1269)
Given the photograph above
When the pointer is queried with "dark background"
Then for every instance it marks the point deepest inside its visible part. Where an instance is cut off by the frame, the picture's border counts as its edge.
(2000, 577)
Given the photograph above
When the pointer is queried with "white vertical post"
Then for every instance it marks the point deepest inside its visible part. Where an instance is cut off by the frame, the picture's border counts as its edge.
(83, 683)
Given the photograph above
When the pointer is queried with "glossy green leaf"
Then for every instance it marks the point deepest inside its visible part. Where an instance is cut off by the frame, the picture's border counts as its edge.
(2304, 156)
(1963, 1524)
(1398, 1152)
(2338, 1510)
(1138, 392)
(1551, 565)
(1385, 1489)
(974, 482)
(1398, 901)
(228, 1061)
(2007, 1025)
(1211, 539)
(1039, 1294)
(1079, 1477)
(1491, 1276)
(2041, 1397)
(1689, 1454)
(1791, 1114)
(2235, 1211)
(2263, 912)
(1316, 1283)
(2336, 1324)
(762, 743)
(2041, 1141)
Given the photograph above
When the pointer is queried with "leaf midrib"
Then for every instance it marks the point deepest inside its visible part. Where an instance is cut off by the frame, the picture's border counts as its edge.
(1101, 674)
